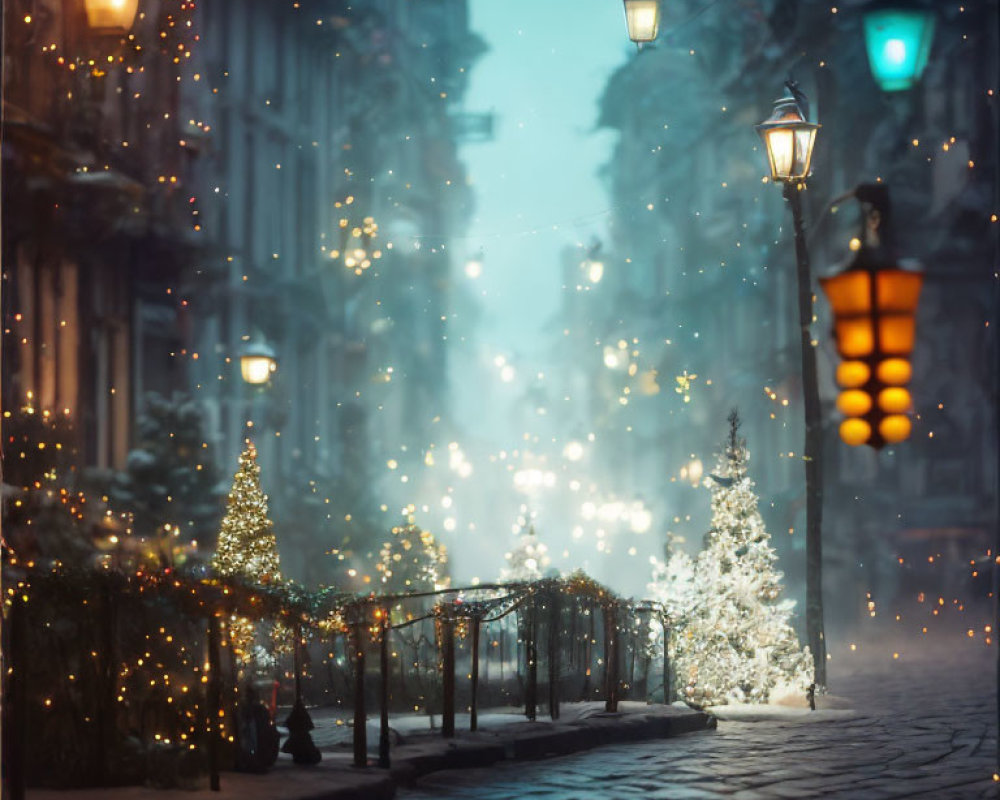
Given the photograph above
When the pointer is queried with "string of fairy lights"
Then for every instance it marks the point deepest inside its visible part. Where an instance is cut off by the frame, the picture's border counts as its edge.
(169, 661)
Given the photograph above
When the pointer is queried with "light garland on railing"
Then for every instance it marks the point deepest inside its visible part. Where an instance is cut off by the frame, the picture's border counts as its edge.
(161, 662)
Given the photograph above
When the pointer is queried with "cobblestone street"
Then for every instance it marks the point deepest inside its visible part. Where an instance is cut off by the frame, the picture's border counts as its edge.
(918, 730)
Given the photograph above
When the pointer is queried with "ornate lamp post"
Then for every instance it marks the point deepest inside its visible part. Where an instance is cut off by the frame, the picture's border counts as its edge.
(642, 17)
(789, 138)
(114, 17)
(257, 362)
(898, 36)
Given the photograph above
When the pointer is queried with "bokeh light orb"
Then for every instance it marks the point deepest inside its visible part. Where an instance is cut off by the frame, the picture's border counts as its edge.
(894, 371)
(855, 431)
(852, 374)
(894, 400)
(895, 428)
(854, 403)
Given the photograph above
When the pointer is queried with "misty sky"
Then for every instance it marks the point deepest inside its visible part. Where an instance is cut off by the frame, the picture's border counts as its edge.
(536, 192)
(536, 184)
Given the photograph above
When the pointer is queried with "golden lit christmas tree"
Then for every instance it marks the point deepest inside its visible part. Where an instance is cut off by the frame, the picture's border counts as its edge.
(412, 561)
(247, 547)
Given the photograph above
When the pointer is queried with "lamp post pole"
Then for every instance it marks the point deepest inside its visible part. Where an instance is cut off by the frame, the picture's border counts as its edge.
(789, 138)
(813, 451)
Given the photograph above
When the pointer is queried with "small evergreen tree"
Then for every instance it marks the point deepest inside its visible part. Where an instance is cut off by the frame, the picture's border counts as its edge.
(170, 483)
(526, 562)
(412, 561)
(738, 645)
(46, 513)
(672, 586)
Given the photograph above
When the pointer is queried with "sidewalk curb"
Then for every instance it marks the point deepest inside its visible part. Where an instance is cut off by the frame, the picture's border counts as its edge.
(576, 737)
(376, 789)
(335, 779)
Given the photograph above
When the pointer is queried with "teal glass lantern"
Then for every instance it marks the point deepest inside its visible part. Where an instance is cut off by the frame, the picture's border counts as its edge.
(898, 35)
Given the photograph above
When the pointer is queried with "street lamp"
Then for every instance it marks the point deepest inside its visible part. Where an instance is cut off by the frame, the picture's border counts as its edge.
(111, 16)
(257, 362)
(789, 138)
(874, 305)
(642, 17)
(592, 265)
(898, 36)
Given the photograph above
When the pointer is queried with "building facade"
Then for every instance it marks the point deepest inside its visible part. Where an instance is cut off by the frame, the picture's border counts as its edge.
(96, 232)
(329, 191)
(211, 175)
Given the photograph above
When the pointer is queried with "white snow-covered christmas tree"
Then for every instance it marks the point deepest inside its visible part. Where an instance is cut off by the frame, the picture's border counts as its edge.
(672, 585)
(527, 560)
(738, 645)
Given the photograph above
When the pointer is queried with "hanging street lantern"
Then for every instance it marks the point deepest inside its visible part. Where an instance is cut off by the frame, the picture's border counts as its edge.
(111, 16)
(593, 265)
(257, 362)
(874, 304)
(789, 137)
(898, 36)
(642, 17)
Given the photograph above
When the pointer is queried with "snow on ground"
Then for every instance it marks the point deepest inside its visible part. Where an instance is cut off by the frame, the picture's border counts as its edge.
(828, 708)
(333, 728)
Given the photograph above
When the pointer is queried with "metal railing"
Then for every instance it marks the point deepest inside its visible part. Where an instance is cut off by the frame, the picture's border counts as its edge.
(144, 665)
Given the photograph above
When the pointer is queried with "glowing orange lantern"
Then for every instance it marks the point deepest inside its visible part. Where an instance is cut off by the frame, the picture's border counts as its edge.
(874, 309)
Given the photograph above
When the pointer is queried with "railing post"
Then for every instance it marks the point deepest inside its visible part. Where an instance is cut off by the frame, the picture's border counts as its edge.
(486, 664)
(610, 657)
(573, 633)
(14, 705)
(233, 695)
(213, 701)
(106, 667)
(448, 666)
(666, 659)
(554, 618)
(503, 651)
(630, 683)
(531, 657)
(360, 716)
(607, 658)
(473, 716)
(383, 733)
(588, 645)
